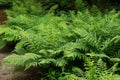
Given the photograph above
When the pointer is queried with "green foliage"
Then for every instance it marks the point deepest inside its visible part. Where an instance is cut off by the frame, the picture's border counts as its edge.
(27, 60)
(5, 2)
(80, 5)
(32, 7)
(2, 44)
(70, 46)
(98, 71)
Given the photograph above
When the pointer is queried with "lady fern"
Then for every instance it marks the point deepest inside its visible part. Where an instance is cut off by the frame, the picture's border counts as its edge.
(63, 42)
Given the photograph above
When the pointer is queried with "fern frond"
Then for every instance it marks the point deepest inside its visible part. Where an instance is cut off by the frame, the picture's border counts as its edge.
(60, 62)
(21, 60)
(98, 55)
(13, 60)
(2, 43)
(88, 37)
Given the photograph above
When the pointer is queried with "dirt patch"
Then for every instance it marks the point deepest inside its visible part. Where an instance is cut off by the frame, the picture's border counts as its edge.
(5, 72)
(3, 16)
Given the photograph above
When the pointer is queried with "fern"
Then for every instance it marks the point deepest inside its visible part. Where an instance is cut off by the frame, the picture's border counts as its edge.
(2, 43)
(99, 71)
(32, 7)
(27, 60)
(63, 42)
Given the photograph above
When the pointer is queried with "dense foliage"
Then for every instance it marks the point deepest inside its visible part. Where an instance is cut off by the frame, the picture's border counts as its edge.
(59, 41)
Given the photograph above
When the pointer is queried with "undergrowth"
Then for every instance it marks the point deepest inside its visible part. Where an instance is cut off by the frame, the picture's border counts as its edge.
(82, 45)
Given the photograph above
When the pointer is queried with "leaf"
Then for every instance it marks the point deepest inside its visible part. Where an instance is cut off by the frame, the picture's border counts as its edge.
(61, 62)
(45, 61)
(97, 55)
(13, 59)
(78, 71)
(115, 59)
(2, 43)
(29, 56)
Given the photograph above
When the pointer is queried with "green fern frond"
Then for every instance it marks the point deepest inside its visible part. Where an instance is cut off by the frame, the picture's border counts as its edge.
(13, 60)
(60, 62)
(2, 43)
(88, 37)
(21, 60)
(70, 77)
(97, 55)
(77, 71)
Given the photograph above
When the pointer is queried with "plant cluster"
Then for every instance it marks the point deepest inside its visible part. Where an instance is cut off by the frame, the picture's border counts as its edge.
(82, 45)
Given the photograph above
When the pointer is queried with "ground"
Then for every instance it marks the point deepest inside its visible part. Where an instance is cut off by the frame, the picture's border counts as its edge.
(5, 72)
(3, 16)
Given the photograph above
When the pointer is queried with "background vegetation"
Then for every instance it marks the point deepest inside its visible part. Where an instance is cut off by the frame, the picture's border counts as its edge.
(63, 39)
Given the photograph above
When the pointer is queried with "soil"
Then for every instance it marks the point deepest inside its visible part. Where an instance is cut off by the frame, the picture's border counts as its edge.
(3, 16)
(5, 73)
